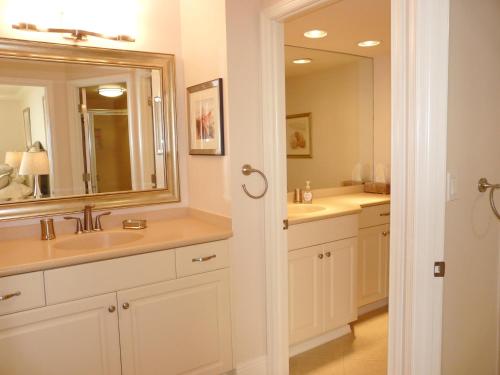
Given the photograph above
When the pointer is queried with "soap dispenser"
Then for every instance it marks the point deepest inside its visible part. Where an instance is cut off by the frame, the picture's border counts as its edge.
(308, 195)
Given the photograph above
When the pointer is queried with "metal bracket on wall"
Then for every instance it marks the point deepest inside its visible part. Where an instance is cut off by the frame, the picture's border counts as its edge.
(439, 269)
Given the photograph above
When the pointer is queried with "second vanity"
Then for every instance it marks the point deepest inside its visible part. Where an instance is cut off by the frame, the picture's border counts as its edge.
(161, 305)
(338, 265)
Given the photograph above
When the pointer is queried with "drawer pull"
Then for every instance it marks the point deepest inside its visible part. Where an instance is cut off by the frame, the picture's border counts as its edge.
(111, 309)
(385, 214)
(9, 296)
(385, 233)
(328, 254)
(125, 306)
(204, 259)
(320, 256)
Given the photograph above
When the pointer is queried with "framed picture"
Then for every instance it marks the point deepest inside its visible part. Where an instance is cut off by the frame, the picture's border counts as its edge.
(27, 127)
(206, 118)
(298, 136)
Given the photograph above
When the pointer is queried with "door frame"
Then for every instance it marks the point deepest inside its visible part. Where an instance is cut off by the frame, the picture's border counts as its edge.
(419, 75)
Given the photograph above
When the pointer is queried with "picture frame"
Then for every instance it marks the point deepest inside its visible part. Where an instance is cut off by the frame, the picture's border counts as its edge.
(27, 127)
(299, 136)
(206, 118)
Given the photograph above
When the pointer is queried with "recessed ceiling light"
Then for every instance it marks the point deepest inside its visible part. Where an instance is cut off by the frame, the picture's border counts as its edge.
(369, 43)
(302, 61)
(315, 34)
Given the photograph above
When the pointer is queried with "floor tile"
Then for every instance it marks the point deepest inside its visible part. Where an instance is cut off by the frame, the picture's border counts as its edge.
(364, 351)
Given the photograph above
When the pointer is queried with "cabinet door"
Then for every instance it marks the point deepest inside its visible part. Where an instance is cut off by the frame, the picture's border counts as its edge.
(177, 327)
(340, 283)
(77, 338)
(373, 264)
(305, 293)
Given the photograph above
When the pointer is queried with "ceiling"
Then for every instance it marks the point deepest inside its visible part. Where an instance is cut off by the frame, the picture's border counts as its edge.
(321, 60)
(347, 23)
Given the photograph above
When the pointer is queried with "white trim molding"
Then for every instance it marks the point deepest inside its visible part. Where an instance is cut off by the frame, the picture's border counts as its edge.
(256, 366)
(304, 346)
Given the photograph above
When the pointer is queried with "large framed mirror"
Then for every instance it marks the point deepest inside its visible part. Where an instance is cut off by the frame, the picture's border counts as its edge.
(83, 125)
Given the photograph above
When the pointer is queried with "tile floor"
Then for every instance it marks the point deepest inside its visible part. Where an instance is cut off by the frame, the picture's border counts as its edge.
(363, 352)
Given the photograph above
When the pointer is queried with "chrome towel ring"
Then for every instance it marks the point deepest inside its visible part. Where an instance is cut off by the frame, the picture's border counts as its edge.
(247, 170)
(484, 185)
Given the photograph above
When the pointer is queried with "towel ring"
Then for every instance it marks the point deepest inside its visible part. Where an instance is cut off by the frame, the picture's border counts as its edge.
(247, 170)
(484, 185)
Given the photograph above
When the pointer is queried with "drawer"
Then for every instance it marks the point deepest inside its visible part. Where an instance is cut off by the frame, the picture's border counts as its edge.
(375, 215)
(90, 279)
(205, 257)
(26, 292)
(322, 231)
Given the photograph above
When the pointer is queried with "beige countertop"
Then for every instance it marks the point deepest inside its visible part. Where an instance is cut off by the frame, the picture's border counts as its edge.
(186, 227)
(338, 205)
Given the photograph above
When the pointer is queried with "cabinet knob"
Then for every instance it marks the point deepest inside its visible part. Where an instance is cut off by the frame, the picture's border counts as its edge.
(328, 254)
(385, 233)
(125, 305)
(111, 309)
(320, 256)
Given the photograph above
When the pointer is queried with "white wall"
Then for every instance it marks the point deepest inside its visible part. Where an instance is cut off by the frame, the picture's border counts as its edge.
(340, 100)
(471, 316)
(11, 127)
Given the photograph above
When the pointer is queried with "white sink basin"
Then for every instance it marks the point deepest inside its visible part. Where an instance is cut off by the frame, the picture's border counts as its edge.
(92, 241)
(301, 209)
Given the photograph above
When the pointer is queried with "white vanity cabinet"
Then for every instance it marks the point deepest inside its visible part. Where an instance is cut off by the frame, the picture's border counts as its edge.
(322, 277)
(165, 312)
(177, 327)
(373, 254)
(78, 338)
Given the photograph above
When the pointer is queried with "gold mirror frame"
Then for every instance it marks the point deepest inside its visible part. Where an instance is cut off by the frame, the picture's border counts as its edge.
(28, 50)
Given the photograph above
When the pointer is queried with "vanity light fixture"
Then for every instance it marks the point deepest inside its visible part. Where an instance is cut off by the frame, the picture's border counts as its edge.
(315, 34)
(369, 43)
(111, 91)
(302, 61)
(73, 34)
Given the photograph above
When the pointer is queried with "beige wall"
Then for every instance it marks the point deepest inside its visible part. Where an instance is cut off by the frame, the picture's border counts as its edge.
(11, 127)
(32, 98)
(203, 30)
(471, 316)
(340, 100)
(382, 112)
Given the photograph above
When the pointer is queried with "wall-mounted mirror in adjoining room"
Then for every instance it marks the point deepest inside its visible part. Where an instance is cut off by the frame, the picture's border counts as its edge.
(84, 125)
(329, 107)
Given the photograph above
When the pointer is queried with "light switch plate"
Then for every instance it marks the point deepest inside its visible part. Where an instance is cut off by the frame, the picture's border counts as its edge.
(451, 187)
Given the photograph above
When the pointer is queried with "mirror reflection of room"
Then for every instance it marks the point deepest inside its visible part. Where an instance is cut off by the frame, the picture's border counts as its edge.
(337, 86)
(73, 129)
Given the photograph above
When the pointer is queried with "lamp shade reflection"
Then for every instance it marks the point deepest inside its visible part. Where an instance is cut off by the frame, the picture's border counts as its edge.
(35, 163)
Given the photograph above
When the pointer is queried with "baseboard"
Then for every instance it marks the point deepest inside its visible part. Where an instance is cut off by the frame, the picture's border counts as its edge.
(256, 366)
(304, 346)
(373, 306)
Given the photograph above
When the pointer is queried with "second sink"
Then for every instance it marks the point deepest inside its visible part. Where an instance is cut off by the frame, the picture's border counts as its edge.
(97, 240)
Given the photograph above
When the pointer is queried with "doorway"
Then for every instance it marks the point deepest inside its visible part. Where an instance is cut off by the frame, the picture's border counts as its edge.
(419, 141)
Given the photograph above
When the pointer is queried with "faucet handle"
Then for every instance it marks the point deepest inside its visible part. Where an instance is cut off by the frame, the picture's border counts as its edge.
(79, 226)
(98, 225)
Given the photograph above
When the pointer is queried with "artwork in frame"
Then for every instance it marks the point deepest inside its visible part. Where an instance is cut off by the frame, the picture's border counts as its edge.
(298, 136)
(27, 127)
(206, 118)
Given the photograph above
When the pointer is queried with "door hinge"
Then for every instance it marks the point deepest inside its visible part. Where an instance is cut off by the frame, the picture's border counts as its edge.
(439, 269)
(285, 224)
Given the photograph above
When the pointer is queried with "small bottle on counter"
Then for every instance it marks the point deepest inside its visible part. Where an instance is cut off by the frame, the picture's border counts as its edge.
(307, 195)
